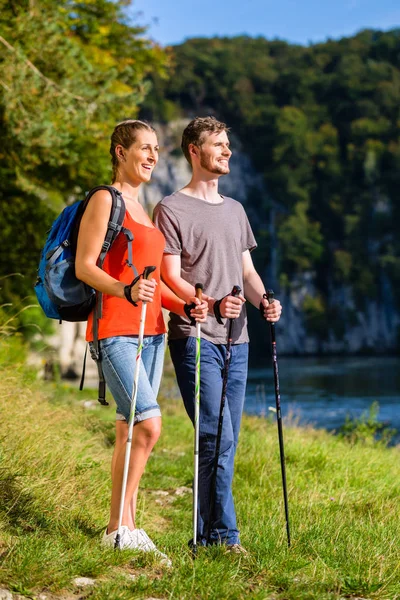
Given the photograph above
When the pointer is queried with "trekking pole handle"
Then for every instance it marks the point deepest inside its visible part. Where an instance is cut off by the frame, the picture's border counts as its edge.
(236, 290)
(270, 296)
(199, 291)
(147, 271)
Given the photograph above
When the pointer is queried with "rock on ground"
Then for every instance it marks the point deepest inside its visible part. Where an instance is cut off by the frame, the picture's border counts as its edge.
(83, 581)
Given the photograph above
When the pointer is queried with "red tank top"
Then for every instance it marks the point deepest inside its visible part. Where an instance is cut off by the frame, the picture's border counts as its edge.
(119, 316)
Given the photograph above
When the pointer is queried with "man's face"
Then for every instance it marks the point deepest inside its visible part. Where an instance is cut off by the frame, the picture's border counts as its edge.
(215, 153)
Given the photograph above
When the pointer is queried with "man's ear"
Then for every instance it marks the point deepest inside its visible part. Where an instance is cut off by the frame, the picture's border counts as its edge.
(193, 150)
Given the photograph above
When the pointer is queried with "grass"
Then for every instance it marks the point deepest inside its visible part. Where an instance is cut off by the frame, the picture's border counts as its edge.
(55, 486)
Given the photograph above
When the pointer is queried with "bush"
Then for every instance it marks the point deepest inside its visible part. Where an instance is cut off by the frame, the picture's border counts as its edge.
(367, 429)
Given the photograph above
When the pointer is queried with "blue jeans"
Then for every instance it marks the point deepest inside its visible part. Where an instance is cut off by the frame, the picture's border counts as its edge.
(119, 360)
(224, 528)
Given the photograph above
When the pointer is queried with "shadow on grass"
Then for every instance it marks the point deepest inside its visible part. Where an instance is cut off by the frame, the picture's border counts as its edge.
(105, 428)
(21, 511)
(18, 507)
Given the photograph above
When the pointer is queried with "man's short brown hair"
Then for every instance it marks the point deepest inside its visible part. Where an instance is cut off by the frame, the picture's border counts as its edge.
(193, 133)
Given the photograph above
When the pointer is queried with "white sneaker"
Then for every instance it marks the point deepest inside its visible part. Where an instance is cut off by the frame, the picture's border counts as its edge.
(141, 541)
(125, 541)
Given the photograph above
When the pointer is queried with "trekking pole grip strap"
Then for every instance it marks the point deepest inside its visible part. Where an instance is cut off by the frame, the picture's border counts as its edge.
(217, 310)
(187, 308)
(127, 291)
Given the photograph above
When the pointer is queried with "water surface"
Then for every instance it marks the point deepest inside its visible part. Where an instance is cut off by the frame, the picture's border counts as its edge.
(322, 391)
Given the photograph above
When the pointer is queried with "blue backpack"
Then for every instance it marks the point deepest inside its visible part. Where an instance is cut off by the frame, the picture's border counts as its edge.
(60, 294)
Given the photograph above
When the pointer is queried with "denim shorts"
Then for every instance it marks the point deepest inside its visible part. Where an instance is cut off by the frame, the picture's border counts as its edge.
(118, 361)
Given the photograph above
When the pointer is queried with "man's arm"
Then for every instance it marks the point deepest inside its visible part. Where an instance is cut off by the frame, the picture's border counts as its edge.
(254, 290)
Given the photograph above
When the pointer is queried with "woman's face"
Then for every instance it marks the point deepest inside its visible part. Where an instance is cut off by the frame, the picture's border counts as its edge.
(141, 157)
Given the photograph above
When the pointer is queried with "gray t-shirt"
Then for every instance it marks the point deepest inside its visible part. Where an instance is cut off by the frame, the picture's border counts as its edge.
(210, 238)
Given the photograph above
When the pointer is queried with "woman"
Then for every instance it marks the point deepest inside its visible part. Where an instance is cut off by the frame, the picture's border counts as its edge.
(134, 153)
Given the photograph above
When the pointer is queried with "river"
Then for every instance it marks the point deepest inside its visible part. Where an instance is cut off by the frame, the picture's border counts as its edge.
(322, 391)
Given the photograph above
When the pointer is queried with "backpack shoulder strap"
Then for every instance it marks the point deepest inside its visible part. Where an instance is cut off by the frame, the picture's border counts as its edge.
(118, 218)
(117, 215)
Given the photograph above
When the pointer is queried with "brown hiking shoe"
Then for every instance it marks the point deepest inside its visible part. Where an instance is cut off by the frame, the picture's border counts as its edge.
(236, 549)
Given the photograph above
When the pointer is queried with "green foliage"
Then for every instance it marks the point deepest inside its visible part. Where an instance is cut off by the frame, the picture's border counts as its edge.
(12, 347)
(315, 314)
(69, 71)
(366, 429)
(21, 323)
(301, 239)
(25, 221)
(342, 264)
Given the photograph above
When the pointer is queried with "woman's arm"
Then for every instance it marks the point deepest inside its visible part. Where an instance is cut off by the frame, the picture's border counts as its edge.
(172, 303)
(92, 231)
(171, 274)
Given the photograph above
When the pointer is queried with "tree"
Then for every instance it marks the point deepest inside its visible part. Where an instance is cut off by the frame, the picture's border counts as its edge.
(65, 79)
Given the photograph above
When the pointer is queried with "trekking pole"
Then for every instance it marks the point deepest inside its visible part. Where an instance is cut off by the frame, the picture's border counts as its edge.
(199, 292)
(270, 297)
(235, 292)
(146, 273)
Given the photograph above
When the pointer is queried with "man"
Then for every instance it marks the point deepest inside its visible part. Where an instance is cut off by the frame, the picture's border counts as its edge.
(208, 240)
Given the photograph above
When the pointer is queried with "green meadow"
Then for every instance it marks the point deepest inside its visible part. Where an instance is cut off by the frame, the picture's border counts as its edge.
(55, 457)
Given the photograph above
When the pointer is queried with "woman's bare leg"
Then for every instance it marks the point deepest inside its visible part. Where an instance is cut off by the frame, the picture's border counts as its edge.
(145, 435)
(120, 443)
